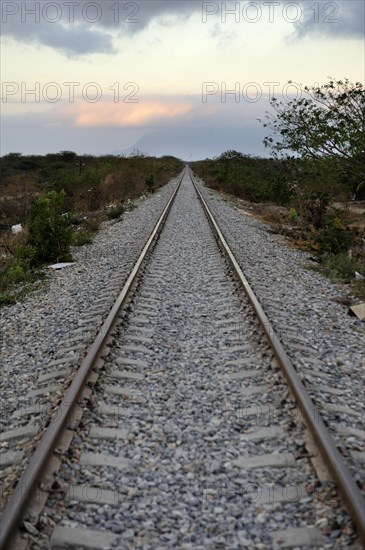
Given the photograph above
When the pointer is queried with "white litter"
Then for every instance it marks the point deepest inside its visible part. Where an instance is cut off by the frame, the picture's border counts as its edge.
(16, 229)
(61, 266)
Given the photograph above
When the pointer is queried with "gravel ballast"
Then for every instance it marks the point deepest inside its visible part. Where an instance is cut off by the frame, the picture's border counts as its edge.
(189, 405)
(324, 342)
(50, 329)
(197, 440)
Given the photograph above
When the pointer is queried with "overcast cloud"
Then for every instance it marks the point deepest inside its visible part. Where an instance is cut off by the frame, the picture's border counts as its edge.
(89, 27)
(343, 18)
(86, 27)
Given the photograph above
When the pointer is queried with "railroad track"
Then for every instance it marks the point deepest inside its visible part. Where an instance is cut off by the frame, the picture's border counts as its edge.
(178, 428)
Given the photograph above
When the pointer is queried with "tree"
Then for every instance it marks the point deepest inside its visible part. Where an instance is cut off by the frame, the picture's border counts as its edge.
(231, 154)
(67, 156)
(328, 121)
(12, 156)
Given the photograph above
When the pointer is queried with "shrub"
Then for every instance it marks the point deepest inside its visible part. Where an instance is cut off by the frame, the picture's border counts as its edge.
(341, 268)
(255, 179)
(64, 180)
(115, 212)
(82, 237)
(16, 273)
(25, 253)
(6, 299)
(293, 215)
(280, 190)
(255, 190)
(50, 230)
(333, 238)
(150, 184)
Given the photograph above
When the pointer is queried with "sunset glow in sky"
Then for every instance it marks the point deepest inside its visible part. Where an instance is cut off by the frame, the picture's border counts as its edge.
(166, 77)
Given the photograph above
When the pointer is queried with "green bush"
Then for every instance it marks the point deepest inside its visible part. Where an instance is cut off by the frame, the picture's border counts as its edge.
(333, 238)
(255, 179)
(279, 190)
(150, 183)
(341, 268)
(115, 212)
(17, 273)
(64, 180)
(25, 253)
(50, 230)
(293, 215)
(6, 299)
(316, 205)
(256, 190)
(82, 238)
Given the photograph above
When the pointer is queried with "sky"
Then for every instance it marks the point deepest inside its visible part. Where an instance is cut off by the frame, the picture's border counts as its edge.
(179, 77)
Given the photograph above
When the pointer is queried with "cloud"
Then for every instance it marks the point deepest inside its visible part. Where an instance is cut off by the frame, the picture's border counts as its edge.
(67, 39)
(224, 37)
(177, 125)
(145, 113)
(157, 111)
(343, 18)
(84, 27)
(73, 40)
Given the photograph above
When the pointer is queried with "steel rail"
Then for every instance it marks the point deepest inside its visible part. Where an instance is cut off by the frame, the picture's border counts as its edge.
(346, 484)
(26, 485)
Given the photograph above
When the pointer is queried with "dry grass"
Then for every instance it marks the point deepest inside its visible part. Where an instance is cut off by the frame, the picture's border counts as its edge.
(103, 181)
(9, 243)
